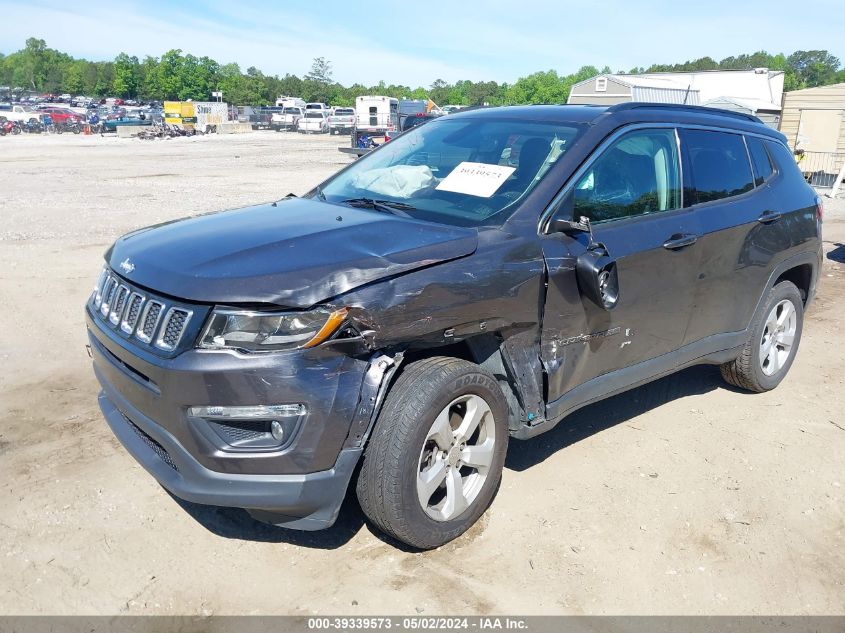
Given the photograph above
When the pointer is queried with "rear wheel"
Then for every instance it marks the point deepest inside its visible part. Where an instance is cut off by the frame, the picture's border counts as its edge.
(435, 459)
(772, 344)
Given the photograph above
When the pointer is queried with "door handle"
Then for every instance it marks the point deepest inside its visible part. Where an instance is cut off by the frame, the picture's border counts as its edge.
(768, 217)
(680, 241)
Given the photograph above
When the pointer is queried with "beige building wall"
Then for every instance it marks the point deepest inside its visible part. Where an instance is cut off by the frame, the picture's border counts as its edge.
(598, 99)
(826, 98)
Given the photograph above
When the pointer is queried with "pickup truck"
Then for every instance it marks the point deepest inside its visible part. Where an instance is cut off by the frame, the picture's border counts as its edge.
(342, 121)
(258, 117)
(21, 113)
(286, 119)
(314, 121)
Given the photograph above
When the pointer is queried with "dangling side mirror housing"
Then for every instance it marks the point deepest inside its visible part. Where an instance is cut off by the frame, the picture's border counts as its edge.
(598, 277)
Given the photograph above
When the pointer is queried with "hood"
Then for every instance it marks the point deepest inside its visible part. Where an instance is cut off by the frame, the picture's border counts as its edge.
(295, 254)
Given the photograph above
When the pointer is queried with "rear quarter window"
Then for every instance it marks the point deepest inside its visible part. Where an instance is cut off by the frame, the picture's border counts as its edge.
(717, 165)
(784, 160)
(760, 160)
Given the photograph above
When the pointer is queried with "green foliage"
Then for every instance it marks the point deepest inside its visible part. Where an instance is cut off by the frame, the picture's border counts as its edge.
(176, 75)
(321, 71)
(125, 82)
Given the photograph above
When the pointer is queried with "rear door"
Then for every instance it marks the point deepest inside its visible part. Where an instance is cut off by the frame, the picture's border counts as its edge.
(740, 219)
(631, 191)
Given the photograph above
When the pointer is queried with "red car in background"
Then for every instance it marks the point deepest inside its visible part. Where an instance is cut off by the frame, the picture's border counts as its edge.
(62, 115)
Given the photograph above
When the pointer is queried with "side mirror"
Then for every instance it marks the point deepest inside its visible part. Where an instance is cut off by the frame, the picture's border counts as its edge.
(598, 277)
(559, 225)
(561, 222)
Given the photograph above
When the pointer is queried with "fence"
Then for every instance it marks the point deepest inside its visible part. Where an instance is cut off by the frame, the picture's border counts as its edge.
(820, 169)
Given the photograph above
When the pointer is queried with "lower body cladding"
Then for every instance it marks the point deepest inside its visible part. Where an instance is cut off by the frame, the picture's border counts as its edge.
(286, 464)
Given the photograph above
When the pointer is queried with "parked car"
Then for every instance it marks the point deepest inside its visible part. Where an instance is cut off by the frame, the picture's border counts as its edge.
(62, 115)
(287, 118)
(258, 117)
(342, 121)
(479, 278)
(111, 123)
(413, 121)
(317, 106)
(20, 112)
(313, 121)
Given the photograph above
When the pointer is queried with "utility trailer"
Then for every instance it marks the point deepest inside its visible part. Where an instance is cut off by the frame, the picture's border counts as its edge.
(375, 117)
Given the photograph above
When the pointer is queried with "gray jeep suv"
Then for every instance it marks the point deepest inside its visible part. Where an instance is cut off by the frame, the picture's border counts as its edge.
(476, 279)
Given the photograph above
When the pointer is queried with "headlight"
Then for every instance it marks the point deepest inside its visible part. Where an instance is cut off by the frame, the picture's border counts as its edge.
(269, 331)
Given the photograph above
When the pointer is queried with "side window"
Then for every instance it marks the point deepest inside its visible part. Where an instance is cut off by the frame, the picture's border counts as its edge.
(718, 164)
(638, 174)
(784, 159)
(759, 159)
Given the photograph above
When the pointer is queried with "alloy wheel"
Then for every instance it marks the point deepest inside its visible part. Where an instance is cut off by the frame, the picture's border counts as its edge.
(778, 337)
(456, 457)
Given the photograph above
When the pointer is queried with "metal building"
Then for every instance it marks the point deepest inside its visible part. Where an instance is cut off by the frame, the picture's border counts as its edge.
(756, 92)
(814, 125)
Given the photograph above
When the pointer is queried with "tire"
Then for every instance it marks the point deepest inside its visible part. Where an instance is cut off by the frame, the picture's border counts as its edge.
(761, 366)
(405, 446)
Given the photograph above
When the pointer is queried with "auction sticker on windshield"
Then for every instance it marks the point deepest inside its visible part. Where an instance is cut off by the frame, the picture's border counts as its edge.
(476, 179)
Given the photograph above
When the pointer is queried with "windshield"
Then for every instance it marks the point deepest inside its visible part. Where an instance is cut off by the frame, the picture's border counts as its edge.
(466, 172)
(313, 115)
(344, 112)
(293, 111)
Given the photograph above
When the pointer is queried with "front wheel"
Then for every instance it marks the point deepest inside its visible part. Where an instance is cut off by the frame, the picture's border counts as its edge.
(435, 459)
(772, 343)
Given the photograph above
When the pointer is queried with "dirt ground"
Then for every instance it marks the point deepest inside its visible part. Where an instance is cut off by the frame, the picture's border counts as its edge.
(682, 497)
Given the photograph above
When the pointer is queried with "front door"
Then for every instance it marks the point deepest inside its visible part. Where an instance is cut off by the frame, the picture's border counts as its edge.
(631, 192)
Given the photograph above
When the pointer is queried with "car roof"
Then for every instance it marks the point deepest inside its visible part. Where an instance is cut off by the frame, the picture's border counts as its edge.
(623, 113)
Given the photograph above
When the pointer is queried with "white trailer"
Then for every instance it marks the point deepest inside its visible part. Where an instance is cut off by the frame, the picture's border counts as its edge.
(290, 102)
(376, 115)
(210, 115)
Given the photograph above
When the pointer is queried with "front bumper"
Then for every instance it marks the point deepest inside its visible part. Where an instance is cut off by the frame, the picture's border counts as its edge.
(306, 502)
(145, 400)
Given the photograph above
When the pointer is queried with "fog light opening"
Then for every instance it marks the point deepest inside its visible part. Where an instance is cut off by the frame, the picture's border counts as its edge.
(265, 427)
(277, 431)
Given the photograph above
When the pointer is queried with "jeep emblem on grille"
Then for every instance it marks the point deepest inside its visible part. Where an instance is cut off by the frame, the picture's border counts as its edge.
(127, 266)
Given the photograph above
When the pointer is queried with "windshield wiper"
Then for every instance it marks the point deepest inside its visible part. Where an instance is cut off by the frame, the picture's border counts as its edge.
(389, 206)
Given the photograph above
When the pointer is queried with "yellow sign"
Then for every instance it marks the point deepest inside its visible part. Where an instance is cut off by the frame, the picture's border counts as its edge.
(180, 113)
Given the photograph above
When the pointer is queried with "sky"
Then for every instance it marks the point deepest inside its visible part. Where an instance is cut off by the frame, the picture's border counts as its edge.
(415, 43)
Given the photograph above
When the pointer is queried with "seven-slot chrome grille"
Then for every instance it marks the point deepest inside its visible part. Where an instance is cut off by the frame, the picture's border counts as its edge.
(150, 319)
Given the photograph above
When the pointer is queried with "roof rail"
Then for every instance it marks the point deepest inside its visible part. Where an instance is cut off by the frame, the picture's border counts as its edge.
(634, 105)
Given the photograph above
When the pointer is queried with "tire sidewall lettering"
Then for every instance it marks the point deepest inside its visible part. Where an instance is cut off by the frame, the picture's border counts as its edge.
(475, 380)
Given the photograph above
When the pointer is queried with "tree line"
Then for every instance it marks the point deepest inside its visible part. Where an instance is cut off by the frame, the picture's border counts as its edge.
(181, 76)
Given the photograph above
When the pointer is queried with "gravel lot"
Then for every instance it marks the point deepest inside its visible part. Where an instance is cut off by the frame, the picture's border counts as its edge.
(682, 497)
